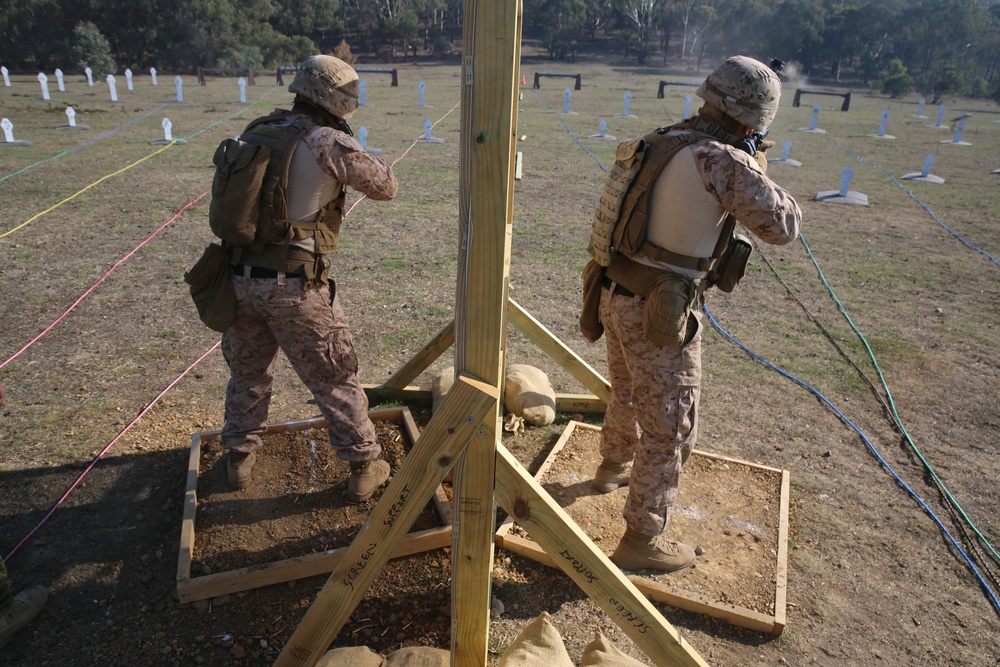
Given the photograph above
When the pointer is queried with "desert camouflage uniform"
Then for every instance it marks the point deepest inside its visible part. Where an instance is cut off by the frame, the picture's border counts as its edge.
(306, 322)
(652, 417)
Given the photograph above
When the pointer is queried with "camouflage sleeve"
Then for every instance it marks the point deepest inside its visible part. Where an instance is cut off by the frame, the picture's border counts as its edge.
(736, 180)
(343, 159)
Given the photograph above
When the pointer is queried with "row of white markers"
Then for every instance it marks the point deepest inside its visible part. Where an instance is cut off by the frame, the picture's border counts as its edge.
(89, 72)
(43, 80)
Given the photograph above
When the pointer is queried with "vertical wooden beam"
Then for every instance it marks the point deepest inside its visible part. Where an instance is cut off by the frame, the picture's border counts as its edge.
(490, 56)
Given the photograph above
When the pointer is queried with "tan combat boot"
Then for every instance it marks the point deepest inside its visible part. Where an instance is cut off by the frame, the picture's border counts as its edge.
(651, 552)
(366, 477)
(238, 468)
(27, 604)
(611, 475)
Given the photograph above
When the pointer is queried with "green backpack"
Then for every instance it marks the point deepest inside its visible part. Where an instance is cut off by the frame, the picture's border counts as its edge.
(249, 206)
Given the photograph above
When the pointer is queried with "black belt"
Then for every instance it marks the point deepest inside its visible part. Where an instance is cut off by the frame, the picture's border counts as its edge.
(260, 272)
(607, 282)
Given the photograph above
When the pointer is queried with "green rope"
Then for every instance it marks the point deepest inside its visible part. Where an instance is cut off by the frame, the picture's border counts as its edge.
(892, 405)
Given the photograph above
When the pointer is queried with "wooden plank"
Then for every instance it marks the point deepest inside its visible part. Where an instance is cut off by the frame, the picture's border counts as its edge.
(423, 359)
(566, 358)
(491, 43)
(246, 578)
(186, 554)
(441, 502)
(586, 403)
(442, 441)
(408, 395)
(556, 533)
(781, 575)
(687, 600)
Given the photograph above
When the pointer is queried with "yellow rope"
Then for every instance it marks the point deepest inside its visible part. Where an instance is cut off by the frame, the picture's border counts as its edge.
(80, 192)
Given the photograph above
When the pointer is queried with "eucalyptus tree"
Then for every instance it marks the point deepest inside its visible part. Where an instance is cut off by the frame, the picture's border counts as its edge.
(642, 16)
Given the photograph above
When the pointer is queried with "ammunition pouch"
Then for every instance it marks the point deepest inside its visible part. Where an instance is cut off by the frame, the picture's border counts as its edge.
(668, 307)
(211, 281)
(732, 264)
(590, 317)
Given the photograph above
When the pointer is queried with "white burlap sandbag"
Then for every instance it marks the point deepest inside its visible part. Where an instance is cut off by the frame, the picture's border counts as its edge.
(537, 645)
(440, 386)
(528, 394)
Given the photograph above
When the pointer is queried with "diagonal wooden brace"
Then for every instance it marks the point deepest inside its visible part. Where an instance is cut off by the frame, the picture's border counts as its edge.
(555, 531)
(558, 351)
(442, 441)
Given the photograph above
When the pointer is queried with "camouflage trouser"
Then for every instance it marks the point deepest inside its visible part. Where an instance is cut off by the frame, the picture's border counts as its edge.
(652, 418)
(6, 598)
(310, 328)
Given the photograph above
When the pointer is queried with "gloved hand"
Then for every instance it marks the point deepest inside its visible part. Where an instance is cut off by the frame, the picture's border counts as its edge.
(761, 154)
(750, 144)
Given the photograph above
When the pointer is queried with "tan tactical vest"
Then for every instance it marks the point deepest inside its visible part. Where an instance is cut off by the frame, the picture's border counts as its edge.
(621, 219)
(278, 251)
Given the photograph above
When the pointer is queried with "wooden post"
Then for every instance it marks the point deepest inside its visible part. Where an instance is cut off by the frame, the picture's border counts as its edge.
(490, 57)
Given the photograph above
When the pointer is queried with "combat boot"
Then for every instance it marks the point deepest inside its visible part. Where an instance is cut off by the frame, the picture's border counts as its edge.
(27, 604)
(636, 551)
(611, 475)
(366, 477)
(238, 468)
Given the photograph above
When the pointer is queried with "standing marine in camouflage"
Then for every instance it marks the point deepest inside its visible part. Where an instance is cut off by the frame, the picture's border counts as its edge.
(663, 233)
(284, 298)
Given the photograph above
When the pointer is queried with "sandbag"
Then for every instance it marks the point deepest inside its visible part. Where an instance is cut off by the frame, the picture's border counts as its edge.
(351, 656)
(537, 645)
(418, 656)
(528, 394)
(440, 386)
(602, 653)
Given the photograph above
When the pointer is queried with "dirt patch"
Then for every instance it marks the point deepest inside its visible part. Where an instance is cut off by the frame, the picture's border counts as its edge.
(295, 505)
(737, 531)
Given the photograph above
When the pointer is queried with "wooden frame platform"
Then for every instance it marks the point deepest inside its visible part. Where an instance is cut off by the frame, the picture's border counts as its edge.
(670, 594)
(191, 589)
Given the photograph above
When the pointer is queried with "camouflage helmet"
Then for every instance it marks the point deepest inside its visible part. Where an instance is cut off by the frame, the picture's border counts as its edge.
(329, 83)
(745, 89)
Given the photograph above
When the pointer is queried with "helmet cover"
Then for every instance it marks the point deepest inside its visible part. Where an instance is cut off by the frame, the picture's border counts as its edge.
(329, 83)
(745, 89)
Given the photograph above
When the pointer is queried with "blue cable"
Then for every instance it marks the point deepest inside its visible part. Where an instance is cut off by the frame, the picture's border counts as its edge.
(575, 138)
(872, 449)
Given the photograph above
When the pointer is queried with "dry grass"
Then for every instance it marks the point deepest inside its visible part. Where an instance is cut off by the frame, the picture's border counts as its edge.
(925, 302)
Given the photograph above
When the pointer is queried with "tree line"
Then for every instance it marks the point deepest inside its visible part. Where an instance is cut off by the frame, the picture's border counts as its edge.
(940, 46)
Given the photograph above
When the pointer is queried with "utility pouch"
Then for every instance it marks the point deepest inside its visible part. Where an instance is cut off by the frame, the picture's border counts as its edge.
(211, 281)
(590, 317)
(668, 306)
(732, 265)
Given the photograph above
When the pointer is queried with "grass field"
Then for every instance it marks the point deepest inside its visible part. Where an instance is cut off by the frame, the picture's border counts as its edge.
(916, 270)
